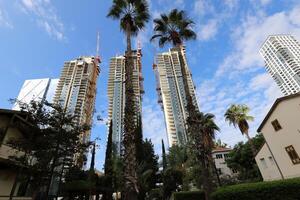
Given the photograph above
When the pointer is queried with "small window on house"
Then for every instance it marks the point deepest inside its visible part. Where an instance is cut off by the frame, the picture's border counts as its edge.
(263, 163)
(271, 160)
(226, 156)
(276, 125)
(293, 154)
(219, 156)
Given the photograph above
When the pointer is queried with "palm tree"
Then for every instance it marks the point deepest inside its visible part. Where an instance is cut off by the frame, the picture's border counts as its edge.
(175, 28)
(237, 115)
(133, 16)
(203, 142)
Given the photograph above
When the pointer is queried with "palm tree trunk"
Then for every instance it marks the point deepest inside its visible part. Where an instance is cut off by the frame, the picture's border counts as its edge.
(251, 144)
(130, 174)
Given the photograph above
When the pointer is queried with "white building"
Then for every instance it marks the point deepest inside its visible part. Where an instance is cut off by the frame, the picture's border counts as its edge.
(282, 58)
(220, 155)
(171, 93)
(116, 94)
(76, 89)
(279, 156)
(36, 90)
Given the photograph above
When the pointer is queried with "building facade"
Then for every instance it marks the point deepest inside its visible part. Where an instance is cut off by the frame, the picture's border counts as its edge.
(76, 89)
(279, 156)
(116, 94)
(282, 59)
(36, 90)
(171, 92)
(220, 154)
(13, 125)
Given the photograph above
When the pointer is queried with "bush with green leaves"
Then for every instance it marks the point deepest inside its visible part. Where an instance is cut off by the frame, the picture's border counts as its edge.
(273, 190)
(191, 195)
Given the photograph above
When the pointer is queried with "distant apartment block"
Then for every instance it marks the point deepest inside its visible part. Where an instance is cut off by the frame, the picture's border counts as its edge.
(282, 58)
(171, 93)
(279, 156)
(76, 89)
(220, 154)
(116, 94)
(37, 90)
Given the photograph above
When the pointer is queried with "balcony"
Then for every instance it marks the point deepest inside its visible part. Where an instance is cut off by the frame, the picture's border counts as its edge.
(6, 152)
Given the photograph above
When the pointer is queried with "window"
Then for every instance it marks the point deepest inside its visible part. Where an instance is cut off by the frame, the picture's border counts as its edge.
(263, 163)
(219, 156)
(276, 125)
(226, 156)
(293, 154)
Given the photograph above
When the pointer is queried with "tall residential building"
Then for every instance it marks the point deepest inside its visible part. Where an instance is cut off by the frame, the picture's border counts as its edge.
(282, 58)
(37, 90)
(76, 89)
(116, 94)
(171, 92)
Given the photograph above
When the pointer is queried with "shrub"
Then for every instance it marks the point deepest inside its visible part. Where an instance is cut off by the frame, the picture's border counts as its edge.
(192, 195)
(273, 190)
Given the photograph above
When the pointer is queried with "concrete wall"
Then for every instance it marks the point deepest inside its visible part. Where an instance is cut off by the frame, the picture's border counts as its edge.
(7, 178)
(287, 113)
(267, 165)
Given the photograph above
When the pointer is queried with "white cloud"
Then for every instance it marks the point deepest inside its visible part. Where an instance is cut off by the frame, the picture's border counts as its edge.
(47, 17)
(265, 2)
(250, 35)
(208, 30)
(4, 20)
(154, 124)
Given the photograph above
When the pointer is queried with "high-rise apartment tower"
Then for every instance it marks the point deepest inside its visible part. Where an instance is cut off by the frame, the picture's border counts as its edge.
(116, 94)
(171, 93)
(76, 89)
(282, 58)
(36, 90)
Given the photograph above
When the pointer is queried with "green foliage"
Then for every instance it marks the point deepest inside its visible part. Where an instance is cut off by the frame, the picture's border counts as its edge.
(177, 156)
(192, 195)
(147, 169)
(242, 160)
(54, 141)
(274, 190)
(155, 194)
(173, 27)
(164, 158)
(172, 179)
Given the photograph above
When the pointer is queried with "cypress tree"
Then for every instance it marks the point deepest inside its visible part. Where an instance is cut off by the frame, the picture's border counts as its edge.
(108, 165)
(164, 159)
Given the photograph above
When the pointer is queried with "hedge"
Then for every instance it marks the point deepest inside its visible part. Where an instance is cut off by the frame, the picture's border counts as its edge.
(273, 190)
(192, 195)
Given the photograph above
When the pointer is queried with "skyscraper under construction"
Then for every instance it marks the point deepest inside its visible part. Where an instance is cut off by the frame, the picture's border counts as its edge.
(76, 89)
(116, 94)
(171, 92)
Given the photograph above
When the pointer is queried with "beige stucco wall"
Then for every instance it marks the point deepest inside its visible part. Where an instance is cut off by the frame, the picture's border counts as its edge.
(269, 171)
(287, 113)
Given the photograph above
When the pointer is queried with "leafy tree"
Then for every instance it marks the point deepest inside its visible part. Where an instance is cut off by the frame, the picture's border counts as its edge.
(172, 180)
(52, 148)
(237, 115)
(139, 142)
(242, 160)
(147, 169)
(133, 16)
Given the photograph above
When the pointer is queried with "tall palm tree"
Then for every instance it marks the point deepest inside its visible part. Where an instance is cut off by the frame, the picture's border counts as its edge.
(133, 16)
(237, 115)
(203, 143)
(175, 28)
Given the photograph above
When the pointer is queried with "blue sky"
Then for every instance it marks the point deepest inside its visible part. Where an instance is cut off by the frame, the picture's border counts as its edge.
(37, 36)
